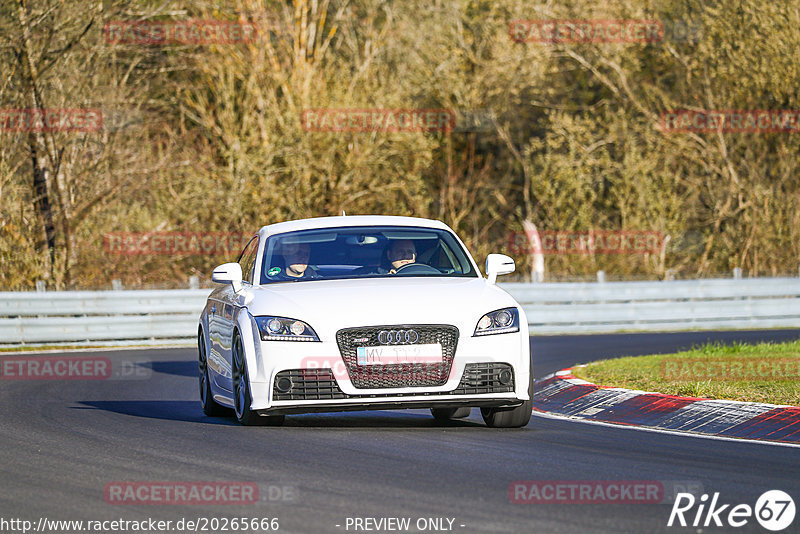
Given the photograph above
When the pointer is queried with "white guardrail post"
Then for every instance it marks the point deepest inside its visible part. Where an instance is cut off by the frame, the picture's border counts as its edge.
(153, 316)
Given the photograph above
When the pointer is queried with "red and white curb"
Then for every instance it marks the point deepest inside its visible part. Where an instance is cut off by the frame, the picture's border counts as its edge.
(562, 394)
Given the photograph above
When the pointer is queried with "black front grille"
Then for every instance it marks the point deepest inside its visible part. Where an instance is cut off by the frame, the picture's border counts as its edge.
(320, 384)
(399, 375)
(485, 378)
(308, 384)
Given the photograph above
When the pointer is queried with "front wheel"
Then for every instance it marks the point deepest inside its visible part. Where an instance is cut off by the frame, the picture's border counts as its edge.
(516, 417)
(210, 406)
(242, 398)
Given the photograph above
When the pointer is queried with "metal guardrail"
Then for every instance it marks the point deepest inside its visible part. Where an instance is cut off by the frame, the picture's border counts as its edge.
(97, 316)
(557, 308)
(147, 316)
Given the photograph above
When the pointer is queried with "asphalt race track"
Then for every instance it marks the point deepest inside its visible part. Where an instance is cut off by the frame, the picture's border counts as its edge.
(63, 441)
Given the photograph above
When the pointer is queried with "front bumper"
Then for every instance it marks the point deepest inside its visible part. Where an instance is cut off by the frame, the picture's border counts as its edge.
(391, 404)
(321, 381)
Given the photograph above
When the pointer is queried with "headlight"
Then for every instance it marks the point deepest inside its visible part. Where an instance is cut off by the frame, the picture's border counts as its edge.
(498, 322)
(284, 329)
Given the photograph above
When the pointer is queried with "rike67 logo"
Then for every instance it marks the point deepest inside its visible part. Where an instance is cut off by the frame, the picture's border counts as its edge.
(774, 510)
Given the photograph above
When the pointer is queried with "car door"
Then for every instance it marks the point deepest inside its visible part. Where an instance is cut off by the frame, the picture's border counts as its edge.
(220, 330)
(230, 302)
(222, 318)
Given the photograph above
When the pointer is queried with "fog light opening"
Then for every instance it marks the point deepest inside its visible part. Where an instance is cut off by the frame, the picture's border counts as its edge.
(504, 377)
(284, 384)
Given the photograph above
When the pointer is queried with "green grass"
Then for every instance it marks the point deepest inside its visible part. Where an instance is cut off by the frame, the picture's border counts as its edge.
(767, 372)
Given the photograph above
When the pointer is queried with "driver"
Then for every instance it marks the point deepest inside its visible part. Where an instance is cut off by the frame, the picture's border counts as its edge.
(401, 252)
(295, 257)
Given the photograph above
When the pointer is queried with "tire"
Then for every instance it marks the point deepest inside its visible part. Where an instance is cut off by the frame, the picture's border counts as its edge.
(242, 399)
(444, 415)
(210, 406)
(516, 417)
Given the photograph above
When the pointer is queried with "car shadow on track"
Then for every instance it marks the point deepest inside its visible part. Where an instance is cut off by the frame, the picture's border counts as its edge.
(376, 419)
(176, 367)
(189, 411)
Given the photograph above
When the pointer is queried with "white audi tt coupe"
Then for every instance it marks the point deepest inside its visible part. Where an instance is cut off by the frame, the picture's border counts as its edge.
(363, 313)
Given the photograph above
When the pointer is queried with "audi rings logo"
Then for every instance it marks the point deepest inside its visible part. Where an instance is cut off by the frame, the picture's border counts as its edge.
(397, 337)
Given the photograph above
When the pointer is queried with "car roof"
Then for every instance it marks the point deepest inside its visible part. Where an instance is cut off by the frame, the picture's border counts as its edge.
(350, 220)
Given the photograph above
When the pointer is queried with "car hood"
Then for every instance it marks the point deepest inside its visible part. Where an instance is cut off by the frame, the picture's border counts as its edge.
(328, 305)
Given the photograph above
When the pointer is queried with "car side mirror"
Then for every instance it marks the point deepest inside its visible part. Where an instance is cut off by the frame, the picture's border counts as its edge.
(498, 264)
(228, 273)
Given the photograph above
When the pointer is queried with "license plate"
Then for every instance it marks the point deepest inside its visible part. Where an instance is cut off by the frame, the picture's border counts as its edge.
(399, 354)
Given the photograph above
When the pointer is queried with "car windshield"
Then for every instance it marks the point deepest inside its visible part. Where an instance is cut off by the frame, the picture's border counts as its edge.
(363, 252)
